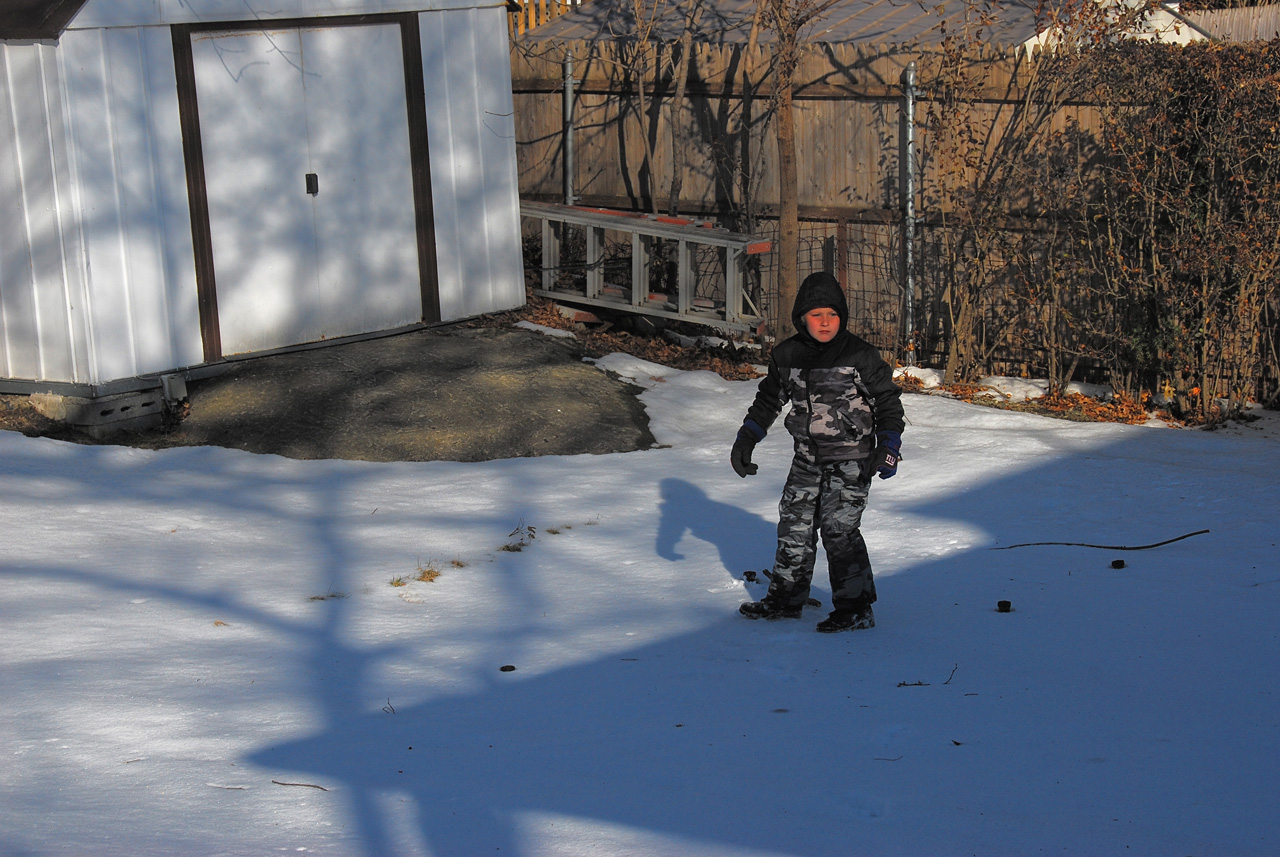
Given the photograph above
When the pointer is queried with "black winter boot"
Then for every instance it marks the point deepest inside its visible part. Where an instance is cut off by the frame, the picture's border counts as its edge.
(854, 619)
(768, 608)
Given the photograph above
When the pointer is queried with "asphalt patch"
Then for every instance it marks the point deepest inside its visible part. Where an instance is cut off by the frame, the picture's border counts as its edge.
(444, 394)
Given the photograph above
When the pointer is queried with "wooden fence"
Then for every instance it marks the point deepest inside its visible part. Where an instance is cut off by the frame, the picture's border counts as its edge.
(848, 110)
(525, 14)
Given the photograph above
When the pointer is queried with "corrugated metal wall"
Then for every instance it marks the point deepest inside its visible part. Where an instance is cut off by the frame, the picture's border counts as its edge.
(474, 181)
(42, 282)
(128, 160)
(96, 274)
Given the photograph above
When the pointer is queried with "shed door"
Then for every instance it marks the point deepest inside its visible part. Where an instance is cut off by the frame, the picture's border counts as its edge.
(308, 174)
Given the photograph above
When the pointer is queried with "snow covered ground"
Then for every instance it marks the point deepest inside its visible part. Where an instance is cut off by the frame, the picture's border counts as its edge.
(201, 652)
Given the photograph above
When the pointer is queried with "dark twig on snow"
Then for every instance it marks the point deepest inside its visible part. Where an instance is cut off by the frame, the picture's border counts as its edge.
(953, 674)
(304, 785)
(1106, 547)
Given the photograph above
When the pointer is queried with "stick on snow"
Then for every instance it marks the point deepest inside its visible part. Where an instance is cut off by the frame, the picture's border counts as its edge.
(1106, 547)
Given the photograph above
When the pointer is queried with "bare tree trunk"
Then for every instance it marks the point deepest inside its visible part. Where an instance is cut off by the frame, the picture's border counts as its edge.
(642, 106)
(788, 208)
(746, 128)
(677, 110)
(638, 62)
(786, 17)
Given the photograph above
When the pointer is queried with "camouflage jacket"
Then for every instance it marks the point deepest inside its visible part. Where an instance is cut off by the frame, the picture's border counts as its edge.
(841, 395)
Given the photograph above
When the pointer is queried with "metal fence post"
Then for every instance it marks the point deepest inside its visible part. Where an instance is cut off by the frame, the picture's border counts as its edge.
(569, 196)
(908, 192)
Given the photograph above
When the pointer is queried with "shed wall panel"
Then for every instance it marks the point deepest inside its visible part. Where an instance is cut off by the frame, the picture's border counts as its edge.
(18, 319)
(41, 275)
(474, 181)
(128, 160)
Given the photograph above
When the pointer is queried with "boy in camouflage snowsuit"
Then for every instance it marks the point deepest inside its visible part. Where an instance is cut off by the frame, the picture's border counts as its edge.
(846, 420)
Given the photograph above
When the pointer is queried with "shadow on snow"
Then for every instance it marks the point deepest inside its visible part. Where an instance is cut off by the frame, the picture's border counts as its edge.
(766, 736)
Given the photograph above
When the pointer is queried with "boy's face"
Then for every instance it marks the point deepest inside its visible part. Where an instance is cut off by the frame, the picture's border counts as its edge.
(823, 323)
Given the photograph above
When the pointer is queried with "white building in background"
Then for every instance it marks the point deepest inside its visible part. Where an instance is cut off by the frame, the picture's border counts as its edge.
(183, 181)
(1163, 22)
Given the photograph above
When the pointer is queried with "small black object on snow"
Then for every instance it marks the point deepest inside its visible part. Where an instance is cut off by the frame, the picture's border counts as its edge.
(506, 668)
(1117, 563)
(1004, 606)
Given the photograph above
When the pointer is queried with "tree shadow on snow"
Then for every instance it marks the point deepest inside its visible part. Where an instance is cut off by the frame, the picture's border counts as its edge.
(681, 742)
(694, 740)
(691, 740)
(607, 740)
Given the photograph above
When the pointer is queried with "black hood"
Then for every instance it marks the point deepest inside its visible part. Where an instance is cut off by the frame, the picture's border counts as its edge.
(819, 290)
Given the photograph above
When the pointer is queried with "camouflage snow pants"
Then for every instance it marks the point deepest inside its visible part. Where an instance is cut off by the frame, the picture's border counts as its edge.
(827, 500)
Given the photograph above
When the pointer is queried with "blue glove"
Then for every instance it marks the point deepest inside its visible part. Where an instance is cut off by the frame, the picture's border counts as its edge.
(888, 452)
(740, 456)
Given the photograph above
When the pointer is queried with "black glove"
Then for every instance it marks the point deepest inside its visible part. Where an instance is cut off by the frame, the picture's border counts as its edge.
(740, 456)
(888, 453)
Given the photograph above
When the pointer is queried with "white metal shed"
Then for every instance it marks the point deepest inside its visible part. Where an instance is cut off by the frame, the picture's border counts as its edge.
(183, 181)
